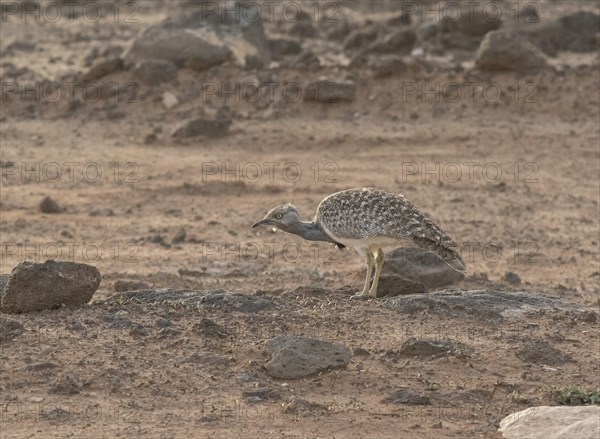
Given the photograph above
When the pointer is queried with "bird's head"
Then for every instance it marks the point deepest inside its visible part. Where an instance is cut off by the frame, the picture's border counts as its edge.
(283, 217)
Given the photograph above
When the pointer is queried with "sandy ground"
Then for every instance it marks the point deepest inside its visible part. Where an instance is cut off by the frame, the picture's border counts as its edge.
(514, 181)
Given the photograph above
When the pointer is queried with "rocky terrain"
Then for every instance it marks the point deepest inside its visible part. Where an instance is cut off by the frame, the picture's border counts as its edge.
(141, 140)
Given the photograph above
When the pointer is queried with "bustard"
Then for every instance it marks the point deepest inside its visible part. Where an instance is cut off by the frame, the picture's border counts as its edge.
(368, 220)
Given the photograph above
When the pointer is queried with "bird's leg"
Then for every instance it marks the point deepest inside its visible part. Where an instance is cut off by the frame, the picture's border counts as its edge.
(378, 266)
(370, 262)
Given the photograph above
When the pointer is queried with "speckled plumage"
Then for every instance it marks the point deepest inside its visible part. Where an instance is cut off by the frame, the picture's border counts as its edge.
(363, 213)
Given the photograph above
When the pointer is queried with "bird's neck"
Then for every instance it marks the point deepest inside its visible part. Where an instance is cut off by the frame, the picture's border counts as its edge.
(310, 231)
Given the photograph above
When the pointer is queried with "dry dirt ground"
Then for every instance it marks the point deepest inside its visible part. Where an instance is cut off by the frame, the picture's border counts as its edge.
(525, 201)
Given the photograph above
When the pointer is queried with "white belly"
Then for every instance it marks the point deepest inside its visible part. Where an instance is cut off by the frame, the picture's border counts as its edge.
(373, 243)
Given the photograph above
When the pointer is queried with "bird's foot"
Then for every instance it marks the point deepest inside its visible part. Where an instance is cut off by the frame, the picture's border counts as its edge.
(360, 296)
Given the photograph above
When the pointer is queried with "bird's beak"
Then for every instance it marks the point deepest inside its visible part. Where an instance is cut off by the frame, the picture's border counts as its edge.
(261, 222)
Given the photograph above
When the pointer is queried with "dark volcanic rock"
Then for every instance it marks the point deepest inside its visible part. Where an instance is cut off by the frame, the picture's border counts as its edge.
(406, 396)
(48, 205)
(48, 285)
(211, 128)
(488, 305)
(413, 347)
(330, 91)
(295, 357)
(394, 285)
(9, 329)
(216, 298)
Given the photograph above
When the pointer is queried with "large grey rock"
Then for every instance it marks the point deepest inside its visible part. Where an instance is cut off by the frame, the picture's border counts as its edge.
(200, 40)
(215, 298)
(295, 357)
(580, 422)
(507, 50)
(489, 305)
(37, 286)
(421, 266)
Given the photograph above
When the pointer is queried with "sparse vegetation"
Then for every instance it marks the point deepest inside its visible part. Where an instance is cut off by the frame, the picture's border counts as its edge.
(575, 395)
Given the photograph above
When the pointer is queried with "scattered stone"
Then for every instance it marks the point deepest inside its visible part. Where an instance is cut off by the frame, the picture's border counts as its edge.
(192, 273)
(210, 329)
(583, 22)
(421, 266)
(103, 67)
(163, 323)
(246, 378)
(48, 205)
(179, 237)
(303, 29)
(489, 305)
(211, 128)
(360, 38)
(102, 212)
(39, 367)
(552, 423)
(505, 50)
(49, 285)
(222, 299)
(540, 352)
(399, 41)
(476, 21)
(511, 278)
(387, 65)
(391, 285)
(406, 396)
(121, 285)
(169, 100)
(295, 357)
(280, 47)
(199, 41)
(306, 61)
(419, 348)
(150, 139)
(68, 385)
(301, 408)
(56, 415)
(263, 393)
(361, 352)
(9, 329)
(330, 91)
(155, 71)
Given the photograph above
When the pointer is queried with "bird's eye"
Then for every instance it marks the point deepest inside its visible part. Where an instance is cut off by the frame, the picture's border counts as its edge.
(278, 216)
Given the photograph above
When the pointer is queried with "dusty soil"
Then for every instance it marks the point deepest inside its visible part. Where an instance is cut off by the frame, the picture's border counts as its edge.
(526, 201)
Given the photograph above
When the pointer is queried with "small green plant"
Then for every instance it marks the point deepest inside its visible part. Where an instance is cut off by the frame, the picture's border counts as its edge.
(120, 300)
(575, 395)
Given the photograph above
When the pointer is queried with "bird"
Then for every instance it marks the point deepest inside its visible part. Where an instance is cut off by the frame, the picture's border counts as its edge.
(369, 220)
